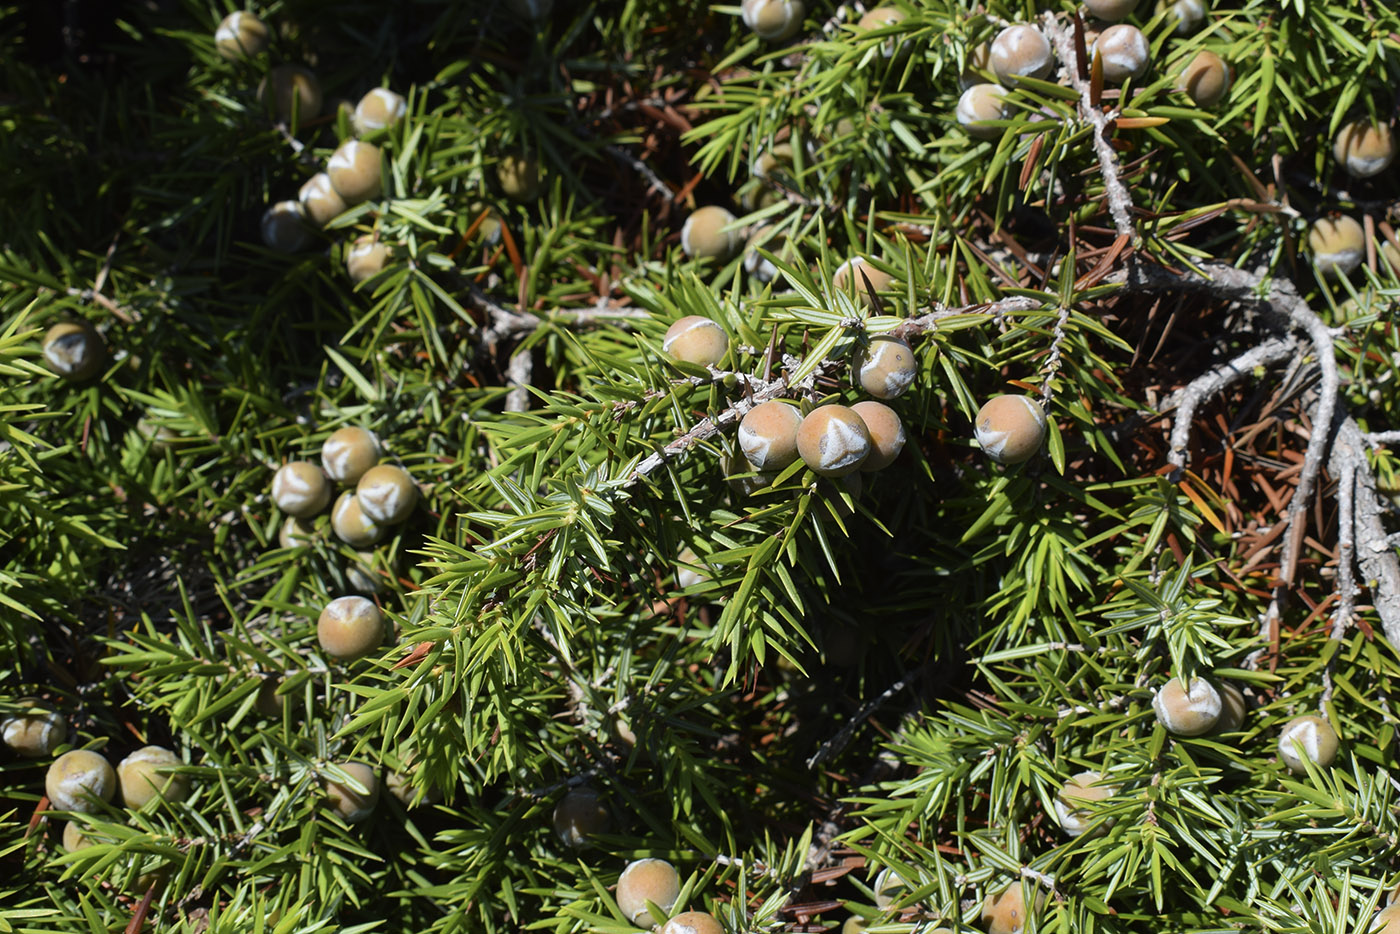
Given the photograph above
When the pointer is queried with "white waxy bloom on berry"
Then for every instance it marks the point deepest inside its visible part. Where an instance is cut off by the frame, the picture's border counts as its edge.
(1010, 428)
(833, 441)
(1188, 709)
(1338, 246)
(1020, 50)
(704, 234)
(348, 453)
(354, 169)
(1316, 737)
(350, 523)
(240, 35)
(773, 20)
(696, 339)
(300, 489)
(768, 435)
(319, 199)
(74, 350)
(284, 227)
(377, 110)
(1364, 148)
(387, 494)
(1125, 53)
(980, 104)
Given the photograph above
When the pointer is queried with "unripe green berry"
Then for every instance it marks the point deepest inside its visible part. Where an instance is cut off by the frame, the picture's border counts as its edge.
(366, 258)
(739, 473)
(1125, 53)
(291, 88)
(692, 922)
(240, 35)
(1318, 740)
(769, 161)
(319, 200)
(269, 703)
(34, 733)
(300, 489)
(1075, 818)
(773, 20)
(74, 350)
(704, 234)
(284, 227)
(351, 525)
(1010, 428)
(379, 109)
(885, 367)
(519, 175)
(579, 815)
(1188, 709)
(855, 924)
(1188, 14)
(1364, 148)
(73, 837)
(348, 453)
(142, 778)
(1020, 50)
(979, 59)
(1206, 80)
(1005, 913)
(647, 880)
(1111, 10)
(354, 806)
(400, 785)
(1387, 921)
(296, 533)
(978, 105)
(489, 230)
(759, 266)
(690, 570)
(387, 494)
(887, 436)
(861, 278)
(833, 441)
(1338, 246)
(1232, 708)
(768, 435)
(695, 339)
(78, 780)
(159, 437)
(350, 628)
(363, 576)
(889, 888)
(355, 171)
(879, 18)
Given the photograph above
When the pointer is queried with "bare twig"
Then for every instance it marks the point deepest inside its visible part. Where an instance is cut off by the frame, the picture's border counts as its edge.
(1380, 566)
(519, 372)
(928, 321)
(1120, 204)
(1378, 561)
(1346, 586)
(505, 322)
(838, 742)
(1377, 438)
(654, 182)
(1187, 399)
(1052, 363)
(707, 428)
